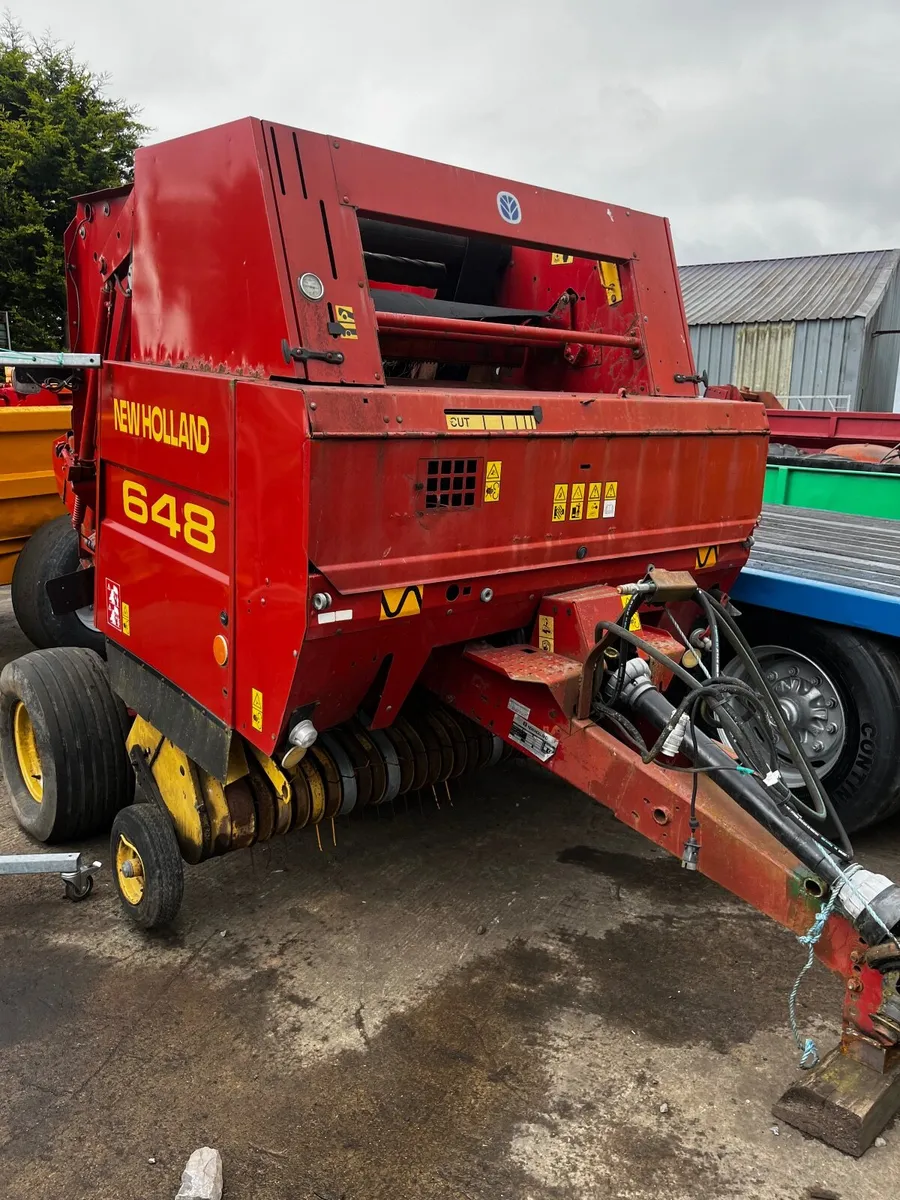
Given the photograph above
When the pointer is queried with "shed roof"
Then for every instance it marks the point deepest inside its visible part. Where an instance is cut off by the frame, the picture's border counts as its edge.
(819, 287)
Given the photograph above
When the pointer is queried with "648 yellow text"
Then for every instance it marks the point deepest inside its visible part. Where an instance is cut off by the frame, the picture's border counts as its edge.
(197, 525)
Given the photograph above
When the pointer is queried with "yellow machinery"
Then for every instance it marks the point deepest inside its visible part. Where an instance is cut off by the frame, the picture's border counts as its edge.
(28, 496)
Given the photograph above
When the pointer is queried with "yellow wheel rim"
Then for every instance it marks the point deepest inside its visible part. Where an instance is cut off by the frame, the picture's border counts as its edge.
(129, 871)
(27, 752)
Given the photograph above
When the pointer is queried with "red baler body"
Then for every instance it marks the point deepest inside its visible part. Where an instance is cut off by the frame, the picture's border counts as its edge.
(233, 483)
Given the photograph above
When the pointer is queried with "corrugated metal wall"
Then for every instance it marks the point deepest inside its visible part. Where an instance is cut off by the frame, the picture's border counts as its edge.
(824, 359)
(879, 375)
(762, 357)
(713, 347)
(827, 358)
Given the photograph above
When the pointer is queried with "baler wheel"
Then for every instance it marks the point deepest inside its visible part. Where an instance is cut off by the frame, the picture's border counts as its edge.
(51, 551)
(149, 873)
(62, 743)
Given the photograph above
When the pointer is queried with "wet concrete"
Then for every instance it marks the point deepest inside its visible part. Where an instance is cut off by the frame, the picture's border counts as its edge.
(337, 1026)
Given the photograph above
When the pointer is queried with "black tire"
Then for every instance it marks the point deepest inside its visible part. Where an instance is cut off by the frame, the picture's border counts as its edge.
(149, 831)
(864, 782)
(63, 698)
(51, 551)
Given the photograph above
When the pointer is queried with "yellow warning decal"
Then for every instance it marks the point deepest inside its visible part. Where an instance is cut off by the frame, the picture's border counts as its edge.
(576, 504)
(126, 619)
(492, 474)
(609, 273)
(545, 633)
(489, 421)
(595, 496)
(256, 708)
(343, 314)
(635, 623)
(561, 260)
(610, 493)
(707, 556)
(401, 602)
(560, 501)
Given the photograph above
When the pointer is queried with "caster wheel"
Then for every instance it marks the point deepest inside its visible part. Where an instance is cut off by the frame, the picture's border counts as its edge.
(149, 873)
(79, 891)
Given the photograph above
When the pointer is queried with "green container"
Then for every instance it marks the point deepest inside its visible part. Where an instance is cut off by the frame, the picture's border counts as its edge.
(861, 493)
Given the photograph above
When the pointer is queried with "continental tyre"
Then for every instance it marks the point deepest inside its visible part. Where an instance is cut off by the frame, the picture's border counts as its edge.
(51, 551)
(62, 743)
(839, 689)
(149, 873)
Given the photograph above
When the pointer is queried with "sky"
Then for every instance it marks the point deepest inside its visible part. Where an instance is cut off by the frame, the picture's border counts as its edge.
(759, 127)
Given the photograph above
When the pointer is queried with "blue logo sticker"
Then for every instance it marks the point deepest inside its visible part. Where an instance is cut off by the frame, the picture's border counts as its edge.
(509, 208)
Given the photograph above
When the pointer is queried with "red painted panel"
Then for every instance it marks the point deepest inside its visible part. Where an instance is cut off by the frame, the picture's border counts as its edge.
(166, 532)
(210, 285)
(272, 483)
(686, 474)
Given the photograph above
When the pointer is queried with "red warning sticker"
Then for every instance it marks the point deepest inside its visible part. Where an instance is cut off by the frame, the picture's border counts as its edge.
(113, 605)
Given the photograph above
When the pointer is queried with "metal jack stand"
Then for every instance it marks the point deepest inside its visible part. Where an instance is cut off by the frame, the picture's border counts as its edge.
(75, 872)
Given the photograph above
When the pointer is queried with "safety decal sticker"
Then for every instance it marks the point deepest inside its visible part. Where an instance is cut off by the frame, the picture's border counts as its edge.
(401, 602)
(126, 620)
(576, 504)
(256, 708)
(609, 274)
(492, 473)
(560, 501)
(113, 605)
(489, 421)
(545, 634)
(635, 623)
(509, 208)
(561, 260)
(707, 556)
(584, 501)
(594, 500)
(542, 745)
(343, 314)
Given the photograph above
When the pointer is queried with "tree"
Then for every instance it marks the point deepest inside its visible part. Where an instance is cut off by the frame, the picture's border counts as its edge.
(59, 136)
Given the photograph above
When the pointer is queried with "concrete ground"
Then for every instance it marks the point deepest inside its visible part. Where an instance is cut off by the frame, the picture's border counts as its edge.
(514, 997)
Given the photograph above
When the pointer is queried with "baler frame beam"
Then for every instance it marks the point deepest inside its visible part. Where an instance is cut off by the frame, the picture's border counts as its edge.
(849, 1098)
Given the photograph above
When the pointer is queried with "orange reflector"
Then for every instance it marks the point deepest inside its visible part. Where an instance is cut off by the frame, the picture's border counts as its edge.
(220, 649)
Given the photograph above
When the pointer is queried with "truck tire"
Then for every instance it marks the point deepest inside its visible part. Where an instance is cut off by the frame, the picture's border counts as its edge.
(62, 743)
(861, 769)
(51, 551)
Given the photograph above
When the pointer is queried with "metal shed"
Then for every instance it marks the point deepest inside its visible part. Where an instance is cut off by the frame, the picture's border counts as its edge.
(812, 330)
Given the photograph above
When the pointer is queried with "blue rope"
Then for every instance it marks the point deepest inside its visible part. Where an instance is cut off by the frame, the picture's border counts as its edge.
(809, 1052)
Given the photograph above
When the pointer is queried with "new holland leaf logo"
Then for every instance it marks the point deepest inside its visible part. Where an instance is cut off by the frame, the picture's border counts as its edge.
(509, 208)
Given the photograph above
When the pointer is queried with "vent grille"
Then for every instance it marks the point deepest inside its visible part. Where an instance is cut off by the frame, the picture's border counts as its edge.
(451, 482)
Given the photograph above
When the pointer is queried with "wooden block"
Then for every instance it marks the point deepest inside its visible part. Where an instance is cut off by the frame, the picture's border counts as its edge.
(842, 1102)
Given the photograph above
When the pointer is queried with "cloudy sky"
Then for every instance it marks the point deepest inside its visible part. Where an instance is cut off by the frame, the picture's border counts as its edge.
(759, 127)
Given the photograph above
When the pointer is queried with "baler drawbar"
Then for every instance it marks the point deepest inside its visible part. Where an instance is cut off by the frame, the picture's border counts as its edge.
(387, 469)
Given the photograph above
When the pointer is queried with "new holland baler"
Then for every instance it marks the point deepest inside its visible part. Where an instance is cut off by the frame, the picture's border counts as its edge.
(378, 468)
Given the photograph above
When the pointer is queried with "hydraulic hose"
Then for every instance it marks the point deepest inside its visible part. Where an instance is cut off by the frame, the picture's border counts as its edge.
(810, 779)
(747, 791)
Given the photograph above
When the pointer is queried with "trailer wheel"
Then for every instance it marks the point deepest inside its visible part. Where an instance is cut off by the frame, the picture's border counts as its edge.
(51, 551)
(840, 691)
(149, 872)
(62, 743)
